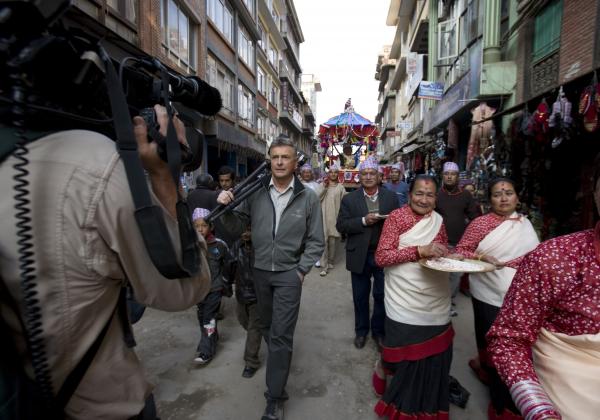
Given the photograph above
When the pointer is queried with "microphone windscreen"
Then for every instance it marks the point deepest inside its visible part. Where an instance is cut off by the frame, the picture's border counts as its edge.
(208, 100)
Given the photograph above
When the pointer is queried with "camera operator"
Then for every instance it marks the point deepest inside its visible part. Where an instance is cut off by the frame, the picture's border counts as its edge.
(86, 247)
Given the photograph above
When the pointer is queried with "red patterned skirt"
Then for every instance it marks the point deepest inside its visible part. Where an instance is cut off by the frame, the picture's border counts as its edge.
(418, 358)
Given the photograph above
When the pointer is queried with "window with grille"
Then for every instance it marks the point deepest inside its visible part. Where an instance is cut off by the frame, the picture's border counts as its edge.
(221, 78)
(261, 82)
(126, 9)
(546, 37)
(250, 6)
(178, 35)
(220, 14)
(447, 39)
(245, 47)
(274, 95)
(245, 105)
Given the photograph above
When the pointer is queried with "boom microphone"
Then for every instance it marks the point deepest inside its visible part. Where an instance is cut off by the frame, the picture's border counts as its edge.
(191, 91)
(195, 93)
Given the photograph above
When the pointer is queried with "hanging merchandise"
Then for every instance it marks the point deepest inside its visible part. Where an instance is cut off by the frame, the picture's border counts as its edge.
(539, 121)
(452, 134)
(480, 131)
(526, 122)
(588, 107)
(560, 119)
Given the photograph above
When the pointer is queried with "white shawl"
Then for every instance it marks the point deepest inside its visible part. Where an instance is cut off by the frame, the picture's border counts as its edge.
(511, 239)
(414, 294)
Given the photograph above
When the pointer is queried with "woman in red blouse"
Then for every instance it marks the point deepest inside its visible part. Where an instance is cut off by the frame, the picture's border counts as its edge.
(417, 348)
(501, 237)
(545, 342)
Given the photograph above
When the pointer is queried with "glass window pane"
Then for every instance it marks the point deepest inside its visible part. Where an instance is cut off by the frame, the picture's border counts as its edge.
(219, 16)
(163, 32)
(184, 47)
(173, 32)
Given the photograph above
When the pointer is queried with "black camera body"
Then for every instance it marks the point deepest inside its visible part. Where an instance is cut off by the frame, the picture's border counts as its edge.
(190, 158)
(52, 78)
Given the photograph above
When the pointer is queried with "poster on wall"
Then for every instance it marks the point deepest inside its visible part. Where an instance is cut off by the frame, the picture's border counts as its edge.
(431, 90)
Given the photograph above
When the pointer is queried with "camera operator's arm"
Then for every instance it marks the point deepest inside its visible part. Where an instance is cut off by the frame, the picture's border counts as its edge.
(116, 223)
(160, 176)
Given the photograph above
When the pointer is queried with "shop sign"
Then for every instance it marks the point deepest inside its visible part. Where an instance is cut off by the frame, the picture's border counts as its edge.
(453, 101)
(392, 133)
(404, 125)
(431, 90)
(411, 63)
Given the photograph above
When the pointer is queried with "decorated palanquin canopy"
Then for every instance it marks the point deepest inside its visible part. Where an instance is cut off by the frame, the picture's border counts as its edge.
(348, 127)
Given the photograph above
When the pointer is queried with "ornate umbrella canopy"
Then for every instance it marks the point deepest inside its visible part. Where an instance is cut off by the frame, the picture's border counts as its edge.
(348, 127)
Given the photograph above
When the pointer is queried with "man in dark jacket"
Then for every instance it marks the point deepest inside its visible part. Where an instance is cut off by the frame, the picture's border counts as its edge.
(287, 235)
(247, 311)
(361, 217)
(202, 196)
(458, 208)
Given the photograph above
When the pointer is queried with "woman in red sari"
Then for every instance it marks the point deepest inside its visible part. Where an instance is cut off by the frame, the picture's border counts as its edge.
(501, 237)
(545, 342)
(417, 348)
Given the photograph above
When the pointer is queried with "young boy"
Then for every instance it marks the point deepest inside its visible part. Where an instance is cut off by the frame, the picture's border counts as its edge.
(246, 302)
(219, 260)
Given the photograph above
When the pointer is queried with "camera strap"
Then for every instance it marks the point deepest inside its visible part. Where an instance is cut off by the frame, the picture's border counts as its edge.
(149, 217)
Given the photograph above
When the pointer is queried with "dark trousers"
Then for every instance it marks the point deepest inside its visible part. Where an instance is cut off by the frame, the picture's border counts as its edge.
(361, 288)
(278, 294)
(247, 314)
(207, 318)
(484, 316)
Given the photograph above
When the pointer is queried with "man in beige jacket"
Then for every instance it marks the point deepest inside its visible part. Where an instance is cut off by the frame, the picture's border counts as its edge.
(86, 247)
(331, 198)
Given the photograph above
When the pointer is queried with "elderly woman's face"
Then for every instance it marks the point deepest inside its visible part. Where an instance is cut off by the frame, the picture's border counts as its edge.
(306, 175)
(423, 196)
(504, 199)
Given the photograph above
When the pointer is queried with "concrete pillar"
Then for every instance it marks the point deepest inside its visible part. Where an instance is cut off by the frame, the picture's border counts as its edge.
(491, 31)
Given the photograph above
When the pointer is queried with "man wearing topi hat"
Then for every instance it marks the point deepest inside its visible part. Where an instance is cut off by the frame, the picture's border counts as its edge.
(458, 208)
(330, 207)
(397, 185)
(361, 218)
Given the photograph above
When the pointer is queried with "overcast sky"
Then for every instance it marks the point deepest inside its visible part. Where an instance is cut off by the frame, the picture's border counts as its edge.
(342, 41)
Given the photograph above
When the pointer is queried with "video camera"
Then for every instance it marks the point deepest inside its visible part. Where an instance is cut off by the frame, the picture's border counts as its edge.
(55, 75)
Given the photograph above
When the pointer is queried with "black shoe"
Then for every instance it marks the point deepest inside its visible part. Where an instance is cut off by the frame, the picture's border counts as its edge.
(360, 341)
(458, 396)
(273, 411)
(249, 372)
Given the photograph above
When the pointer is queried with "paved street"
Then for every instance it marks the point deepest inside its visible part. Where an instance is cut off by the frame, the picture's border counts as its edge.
(330, 379)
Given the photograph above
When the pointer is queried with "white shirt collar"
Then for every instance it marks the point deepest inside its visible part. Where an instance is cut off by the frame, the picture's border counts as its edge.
(291, 186)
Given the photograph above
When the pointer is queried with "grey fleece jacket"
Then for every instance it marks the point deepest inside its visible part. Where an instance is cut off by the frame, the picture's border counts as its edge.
(298, 242)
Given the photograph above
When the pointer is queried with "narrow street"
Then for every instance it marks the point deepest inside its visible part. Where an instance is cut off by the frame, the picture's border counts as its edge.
(330, 378)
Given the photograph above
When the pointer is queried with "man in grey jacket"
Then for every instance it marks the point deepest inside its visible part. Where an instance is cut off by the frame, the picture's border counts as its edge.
(287, 235)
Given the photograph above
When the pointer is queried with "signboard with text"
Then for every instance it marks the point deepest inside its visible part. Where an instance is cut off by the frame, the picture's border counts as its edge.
(404, 125)
(431, 90)
(411, 63)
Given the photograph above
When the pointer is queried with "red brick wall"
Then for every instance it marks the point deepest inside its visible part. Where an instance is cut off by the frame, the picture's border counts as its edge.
(577, 39)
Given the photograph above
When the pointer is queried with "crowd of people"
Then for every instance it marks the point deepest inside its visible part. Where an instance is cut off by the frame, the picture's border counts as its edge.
(540, 299)
(537, 313)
